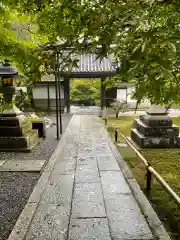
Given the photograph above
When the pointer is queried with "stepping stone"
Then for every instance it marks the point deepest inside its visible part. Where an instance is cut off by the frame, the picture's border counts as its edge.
(22, 165)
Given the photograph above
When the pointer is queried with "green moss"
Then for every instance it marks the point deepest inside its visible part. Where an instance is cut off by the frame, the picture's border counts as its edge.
(167, 164)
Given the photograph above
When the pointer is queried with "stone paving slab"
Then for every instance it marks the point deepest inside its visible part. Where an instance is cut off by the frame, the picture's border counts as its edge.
(89, 229)
(88, 201)
(65, 167)
(87, 173)
(114, 182)
(87, 160)
(59, 190)
(107, 163)
(125, 218)
(22, 165)
(50, 223)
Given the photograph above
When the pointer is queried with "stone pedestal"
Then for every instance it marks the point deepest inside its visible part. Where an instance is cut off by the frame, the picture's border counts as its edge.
(155, 130)
(16, 133)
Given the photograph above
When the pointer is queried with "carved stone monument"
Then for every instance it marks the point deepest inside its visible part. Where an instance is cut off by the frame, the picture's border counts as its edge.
(16, 133)
(155, 129)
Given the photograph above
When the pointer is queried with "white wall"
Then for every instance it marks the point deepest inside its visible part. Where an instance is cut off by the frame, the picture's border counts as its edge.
(41, 92)
(53, 92)
(121, 95)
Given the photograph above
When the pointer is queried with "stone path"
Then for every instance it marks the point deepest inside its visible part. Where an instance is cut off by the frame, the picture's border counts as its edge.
(86, 196)
(86, 110)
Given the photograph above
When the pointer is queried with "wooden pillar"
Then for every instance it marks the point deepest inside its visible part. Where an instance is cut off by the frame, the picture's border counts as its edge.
(67, 94)
(48, 100)
(102, 94)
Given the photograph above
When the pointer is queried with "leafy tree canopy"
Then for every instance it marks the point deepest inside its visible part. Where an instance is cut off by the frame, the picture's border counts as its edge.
(143, 34)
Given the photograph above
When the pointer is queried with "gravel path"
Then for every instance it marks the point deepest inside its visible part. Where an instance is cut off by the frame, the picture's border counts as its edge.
(14, 192)
(16, 187)
(44, 149)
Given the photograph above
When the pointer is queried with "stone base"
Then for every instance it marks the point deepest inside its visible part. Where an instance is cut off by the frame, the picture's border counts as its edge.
(160, 131)
(19, 144)
(12, 112)
(10, 131)
(40, 127)
(16, 134)
(9, 121)
(154, 142)
(155, 120)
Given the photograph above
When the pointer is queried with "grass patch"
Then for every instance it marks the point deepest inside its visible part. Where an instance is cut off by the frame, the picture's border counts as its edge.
(166, 162)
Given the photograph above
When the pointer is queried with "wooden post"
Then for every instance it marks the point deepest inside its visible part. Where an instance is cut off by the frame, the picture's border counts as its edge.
(67, 94)
(102, 95)
(57, 103)
(48, 93)
(116, 135)
(148, 180)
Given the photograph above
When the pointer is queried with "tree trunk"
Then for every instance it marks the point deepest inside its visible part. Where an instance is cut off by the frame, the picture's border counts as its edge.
(117, 113)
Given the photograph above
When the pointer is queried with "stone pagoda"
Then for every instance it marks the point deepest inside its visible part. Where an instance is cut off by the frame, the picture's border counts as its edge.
(16, 133)
(155, 129)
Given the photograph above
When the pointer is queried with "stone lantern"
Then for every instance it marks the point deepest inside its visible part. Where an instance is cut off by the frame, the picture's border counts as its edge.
(8, 76)
(16, 133)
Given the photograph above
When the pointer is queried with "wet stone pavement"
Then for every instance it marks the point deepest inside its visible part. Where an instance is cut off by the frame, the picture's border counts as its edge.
(86, 195)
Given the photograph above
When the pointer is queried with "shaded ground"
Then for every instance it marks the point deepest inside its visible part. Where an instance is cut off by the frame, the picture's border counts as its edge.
(16, 187)
(44, 149)
(14, 192)
(166, 162)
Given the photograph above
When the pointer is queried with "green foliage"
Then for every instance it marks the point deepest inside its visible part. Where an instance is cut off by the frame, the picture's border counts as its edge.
(143, 34)
(85, 89)
(23, 100)
(119, 106)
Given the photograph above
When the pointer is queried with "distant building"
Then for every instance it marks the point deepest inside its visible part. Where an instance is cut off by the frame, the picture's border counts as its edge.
(89, 67)
(44, 94)
(124, 93)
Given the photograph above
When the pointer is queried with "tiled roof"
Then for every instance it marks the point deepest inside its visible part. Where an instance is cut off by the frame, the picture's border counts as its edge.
(90, 66)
